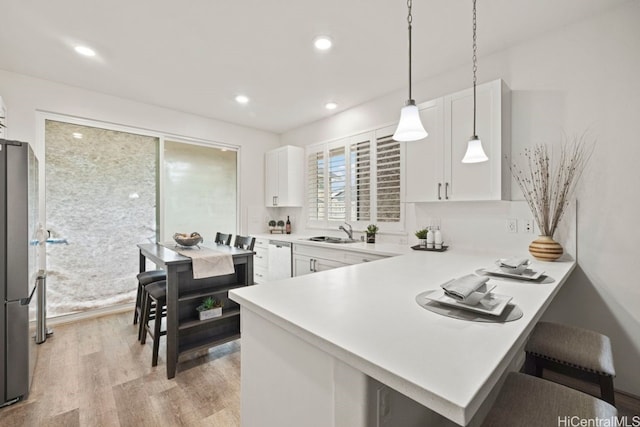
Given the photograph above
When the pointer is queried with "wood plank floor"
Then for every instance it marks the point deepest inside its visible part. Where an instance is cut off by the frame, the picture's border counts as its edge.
(95, 373)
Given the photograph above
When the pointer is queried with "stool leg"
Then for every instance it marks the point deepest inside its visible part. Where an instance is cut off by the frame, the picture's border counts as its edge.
(138, 305)
(531, 366)
(146, 310)
(606, 389)
(156, 332)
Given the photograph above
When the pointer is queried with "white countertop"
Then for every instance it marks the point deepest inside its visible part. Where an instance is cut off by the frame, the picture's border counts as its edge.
(366, 316)
(386, 249)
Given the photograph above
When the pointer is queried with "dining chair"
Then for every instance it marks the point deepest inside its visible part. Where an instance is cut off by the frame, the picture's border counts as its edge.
(223, 239)
(244, 242)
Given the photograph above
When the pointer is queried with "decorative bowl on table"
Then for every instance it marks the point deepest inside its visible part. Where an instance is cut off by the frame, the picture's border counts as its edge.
(184, 239)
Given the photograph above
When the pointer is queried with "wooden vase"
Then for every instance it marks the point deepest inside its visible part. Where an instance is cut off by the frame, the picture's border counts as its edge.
(544, 248)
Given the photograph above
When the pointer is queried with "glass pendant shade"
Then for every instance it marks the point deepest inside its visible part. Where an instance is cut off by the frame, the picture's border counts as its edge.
(475, 153)
(410, 127)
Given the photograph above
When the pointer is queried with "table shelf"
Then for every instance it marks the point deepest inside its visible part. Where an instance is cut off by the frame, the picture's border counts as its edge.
(212, 342)
(195, 323)
(188, 296)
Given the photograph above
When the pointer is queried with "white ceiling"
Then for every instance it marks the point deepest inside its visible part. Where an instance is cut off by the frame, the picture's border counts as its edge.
(196, 55)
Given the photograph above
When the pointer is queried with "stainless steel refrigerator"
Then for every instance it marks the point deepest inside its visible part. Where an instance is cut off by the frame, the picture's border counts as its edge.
(18, 267)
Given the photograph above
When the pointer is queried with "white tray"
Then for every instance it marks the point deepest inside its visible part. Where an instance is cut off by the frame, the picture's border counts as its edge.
(492, 304)
(528, 274)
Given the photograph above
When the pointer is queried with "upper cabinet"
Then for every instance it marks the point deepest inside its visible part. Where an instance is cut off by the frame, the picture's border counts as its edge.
(284, 178)
(434, 168)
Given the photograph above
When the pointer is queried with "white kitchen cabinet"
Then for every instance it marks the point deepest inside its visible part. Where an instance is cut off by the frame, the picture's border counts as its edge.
(425, 158)
(261, 261)
(434, 168)
(311, 259)
(304, 264)
(284, 180)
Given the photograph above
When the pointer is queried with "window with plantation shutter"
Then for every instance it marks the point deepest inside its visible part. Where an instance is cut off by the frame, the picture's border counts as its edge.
(356, 179)
(315, 186)
(337, 184)
(388, 180)
(360, 163)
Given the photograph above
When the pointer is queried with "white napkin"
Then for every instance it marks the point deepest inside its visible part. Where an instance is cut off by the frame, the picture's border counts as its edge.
(462, 287)
(514, 262)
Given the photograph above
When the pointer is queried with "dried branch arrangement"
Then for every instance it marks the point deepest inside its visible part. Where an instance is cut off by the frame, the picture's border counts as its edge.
(549, 186)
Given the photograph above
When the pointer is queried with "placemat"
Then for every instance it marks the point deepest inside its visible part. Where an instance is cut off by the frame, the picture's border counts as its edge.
(511, 312)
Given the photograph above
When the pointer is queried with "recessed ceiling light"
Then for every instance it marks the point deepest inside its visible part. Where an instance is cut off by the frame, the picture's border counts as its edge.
(85, 51)
(330, 105)
(242, 99)
(322, 43)
(77, 135)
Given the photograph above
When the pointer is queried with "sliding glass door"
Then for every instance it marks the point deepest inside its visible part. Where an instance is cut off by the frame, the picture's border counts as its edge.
(200, 190)
(108, 190)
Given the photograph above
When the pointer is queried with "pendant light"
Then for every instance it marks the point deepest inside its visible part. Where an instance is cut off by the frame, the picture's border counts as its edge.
(475, 153)
(410, 127)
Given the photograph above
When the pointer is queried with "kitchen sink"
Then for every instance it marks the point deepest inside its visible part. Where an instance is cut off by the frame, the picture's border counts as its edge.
(331, 239)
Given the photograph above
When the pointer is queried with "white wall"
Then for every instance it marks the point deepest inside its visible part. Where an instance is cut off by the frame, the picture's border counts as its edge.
(24, 95)
(583, 77)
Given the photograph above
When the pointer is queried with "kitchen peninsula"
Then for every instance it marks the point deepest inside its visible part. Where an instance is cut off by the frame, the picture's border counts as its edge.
(325, 349)
(185, 333)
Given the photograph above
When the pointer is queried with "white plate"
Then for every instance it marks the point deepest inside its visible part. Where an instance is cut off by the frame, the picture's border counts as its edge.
(528, 274)
(492, 304)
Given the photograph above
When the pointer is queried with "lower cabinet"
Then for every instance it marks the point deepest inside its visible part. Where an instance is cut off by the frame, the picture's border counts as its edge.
(304, 264)
(312, 259)
(261, 261)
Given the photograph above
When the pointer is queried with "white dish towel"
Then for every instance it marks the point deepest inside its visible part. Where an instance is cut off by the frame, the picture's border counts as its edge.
(206, 262)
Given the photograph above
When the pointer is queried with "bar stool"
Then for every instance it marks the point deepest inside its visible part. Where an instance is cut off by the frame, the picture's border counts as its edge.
(572, 351)
(245, 242)
(144, 279)
(223, 239)
(156, 293)
(526, 401)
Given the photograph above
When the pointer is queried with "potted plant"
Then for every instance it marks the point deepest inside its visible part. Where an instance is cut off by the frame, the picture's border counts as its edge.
(209, 308)
(372, 229)
(281, 225)
(272, 225)
(422, 236)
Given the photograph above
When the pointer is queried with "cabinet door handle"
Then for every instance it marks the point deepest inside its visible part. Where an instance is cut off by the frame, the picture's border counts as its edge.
(315, 268)
(439, 187)
(365, 260)
(446, 191)
(273, 201)
(310, 264)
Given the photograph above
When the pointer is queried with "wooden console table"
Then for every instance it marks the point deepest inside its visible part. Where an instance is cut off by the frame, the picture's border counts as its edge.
(185, 333)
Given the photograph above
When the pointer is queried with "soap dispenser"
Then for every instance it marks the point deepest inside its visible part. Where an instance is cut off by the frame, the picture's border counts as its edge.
(437, 239)
(430, 238)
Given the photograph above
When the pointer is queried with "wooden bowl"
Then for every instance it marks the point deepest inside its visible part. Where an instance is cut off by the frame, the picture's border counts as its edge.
(187, 239)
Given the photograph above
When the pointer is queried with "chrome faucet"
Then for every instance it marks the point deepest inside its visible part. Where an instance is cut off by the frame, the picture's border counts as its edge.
(349, 231)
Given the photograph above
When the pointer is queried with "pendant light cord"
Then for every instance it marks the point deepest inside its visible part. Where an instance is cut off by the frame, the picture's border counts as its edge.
(409, 21)
(475, 66)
